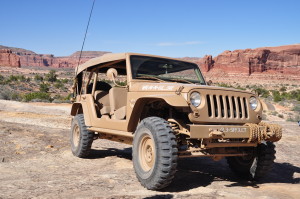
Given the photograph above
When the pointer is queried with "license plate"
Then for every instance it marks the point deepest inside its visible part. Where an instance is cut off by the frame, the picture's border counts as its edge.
(233, 129)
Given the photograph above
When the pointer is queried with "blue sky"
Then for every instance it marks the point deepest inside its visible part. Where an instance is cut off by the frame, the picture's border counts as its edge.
(175, 28)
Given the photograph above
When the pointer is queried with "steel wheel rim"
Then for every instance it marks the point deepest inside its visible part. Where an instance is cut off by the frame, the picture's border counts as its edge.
(146, 153)
(76, 135)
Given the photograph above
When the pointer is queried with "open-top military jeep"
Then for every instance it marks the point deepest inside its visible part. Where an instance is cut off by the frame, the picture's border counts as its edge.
(167, 111)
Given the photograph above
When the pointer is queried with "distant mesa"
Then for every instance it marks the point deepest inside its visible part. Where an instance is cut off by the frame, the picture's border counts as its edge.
(30, 58)
(283, 61)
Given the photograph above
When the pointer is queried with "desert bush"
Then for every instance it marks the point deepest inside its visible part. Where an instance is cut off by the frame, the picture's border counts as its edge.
(283, 89)
(64, 81)
(44, 87)
(261, 92)
(62, 99)
(51, 76)
(296, 108)
(7, 94)
(1, 78)
(21, 78)
(274, 113)
(58, 84)
(68, 97)
(36, 96)
(224, 85)
(296, 118)
(38, 78)
(280, 115)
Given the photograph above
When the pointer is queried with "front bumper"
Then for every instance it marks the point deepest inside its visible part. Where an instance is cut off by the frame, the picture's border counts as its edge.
(249, 131)
(224, 131)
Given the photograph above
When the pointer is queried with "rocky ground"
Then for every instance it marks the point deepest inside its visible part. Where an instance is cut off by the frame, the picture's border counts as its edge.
(36, 162)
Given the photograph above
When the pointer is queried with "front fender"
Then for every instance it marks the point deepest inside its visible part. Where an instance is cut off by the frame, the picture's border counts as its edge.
(171, 99)
(137, 109)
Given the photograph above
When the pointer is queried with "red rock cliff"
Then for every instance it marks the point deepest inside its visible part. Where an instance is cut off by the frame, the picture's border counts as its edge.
(7, 58)
(282, 59)
(30, 58)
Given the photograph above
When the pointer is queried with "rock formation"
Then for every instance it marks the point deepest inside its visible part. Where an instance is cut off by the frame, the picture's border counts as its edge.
(7, 58)
(282, 60)
(30, 58)
(260, 62)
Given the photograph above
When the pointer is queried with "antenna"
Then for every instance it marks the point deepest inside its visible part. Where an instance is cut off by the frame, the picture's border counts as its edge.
(87, 27)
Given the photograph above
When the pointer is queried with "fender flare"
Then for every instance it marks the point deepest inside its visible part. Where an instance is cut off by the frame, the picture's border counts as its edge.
(75, 108)
(170, 99)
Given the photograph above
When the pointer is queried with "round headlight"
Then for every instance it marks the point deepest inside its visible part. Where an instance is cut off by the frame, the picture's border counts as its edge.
(253, 103)
(195, 99)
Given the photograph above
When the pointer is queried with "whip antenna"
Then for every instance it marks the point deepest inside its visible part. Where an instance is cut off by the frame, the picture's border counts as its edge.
(87, 27)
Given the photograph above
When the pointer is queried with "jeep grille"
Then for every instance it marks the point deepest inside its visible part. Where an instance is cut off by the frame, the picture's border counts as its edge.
(220, 106)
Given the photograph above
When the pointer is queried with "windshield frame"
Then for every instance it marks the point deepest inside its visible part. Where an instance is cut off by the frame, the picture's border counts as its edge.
(199, 80)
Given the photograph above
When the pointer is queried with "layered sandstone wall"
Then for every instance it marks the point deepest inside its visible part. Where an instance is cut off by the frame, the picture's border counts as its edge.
(281, 60)
(44, 60)
(8, 58)
(30, 58)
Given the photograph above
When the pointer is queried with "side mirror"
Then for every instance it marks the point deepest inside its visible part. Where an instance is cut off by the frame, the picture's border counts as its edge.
(111, 74)
(209, 82)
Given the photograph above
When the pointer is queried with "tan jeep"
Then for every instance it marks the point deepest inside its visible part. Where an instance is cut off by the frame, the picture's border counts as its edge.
(167, 111)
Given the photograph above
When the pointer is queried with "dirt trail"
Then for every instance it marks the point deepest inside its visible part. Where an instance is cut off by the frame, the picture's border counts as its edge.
(36, 162)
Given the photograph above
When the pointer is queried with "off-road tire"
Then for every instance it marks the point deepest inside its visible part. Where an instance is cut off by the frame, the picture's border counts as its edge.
(154, 153)
(81, 139)
(255, 166)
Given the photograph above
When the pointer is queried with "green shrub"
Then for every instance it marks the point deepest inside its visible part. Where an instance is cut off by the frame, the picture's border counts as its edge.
(51, 76)
(38, 78)
(224, 85)
(280, 115)
(36, 95)
(282, 89)
(296, 108)
(262, 92)
(8, 94)
(64, 81)
(274, 113)
(58, 84)
(44, 87)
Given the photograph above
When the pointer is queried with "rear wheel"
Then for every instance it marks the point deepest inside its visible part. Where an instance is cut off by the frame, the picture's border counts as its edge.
(256, 165)
(81, 139)
(154, 153)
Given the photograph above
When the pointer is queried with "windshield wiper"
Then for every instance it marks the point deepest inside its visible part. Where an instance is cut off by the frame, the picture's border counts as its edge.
(150, 77)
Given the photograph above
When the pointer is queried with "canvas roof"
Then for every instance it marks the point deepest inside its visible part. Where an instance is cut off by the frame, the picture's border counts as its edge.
(110, 57)
(99, 60)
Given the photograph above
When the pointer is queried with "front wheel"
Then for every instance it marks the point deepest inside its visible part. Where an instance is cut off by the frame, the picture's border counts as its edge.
(81, 139)
(154, 153)
(254, 166)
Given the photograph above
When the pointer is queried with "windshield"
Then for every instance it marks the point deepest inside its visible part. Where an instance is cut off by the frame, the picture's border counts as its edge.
(159, 69)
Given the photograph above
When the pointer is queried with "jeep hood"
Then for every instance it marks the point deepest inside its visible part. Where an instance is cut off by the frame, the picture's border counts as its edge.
(173, 87)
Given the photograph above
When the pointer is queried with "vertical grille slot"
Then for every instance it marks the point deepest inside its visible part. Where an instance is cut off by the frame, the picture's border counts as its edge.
(233, 106)
(228, 107)
(222, 106)
(245, 107)
(240, 110)
(208, 105)
(215, 106)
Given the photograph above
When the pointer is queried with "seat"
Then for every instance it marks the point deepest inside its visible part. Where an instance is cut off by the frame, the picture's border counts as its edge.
(118, 100)
(102, 101)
